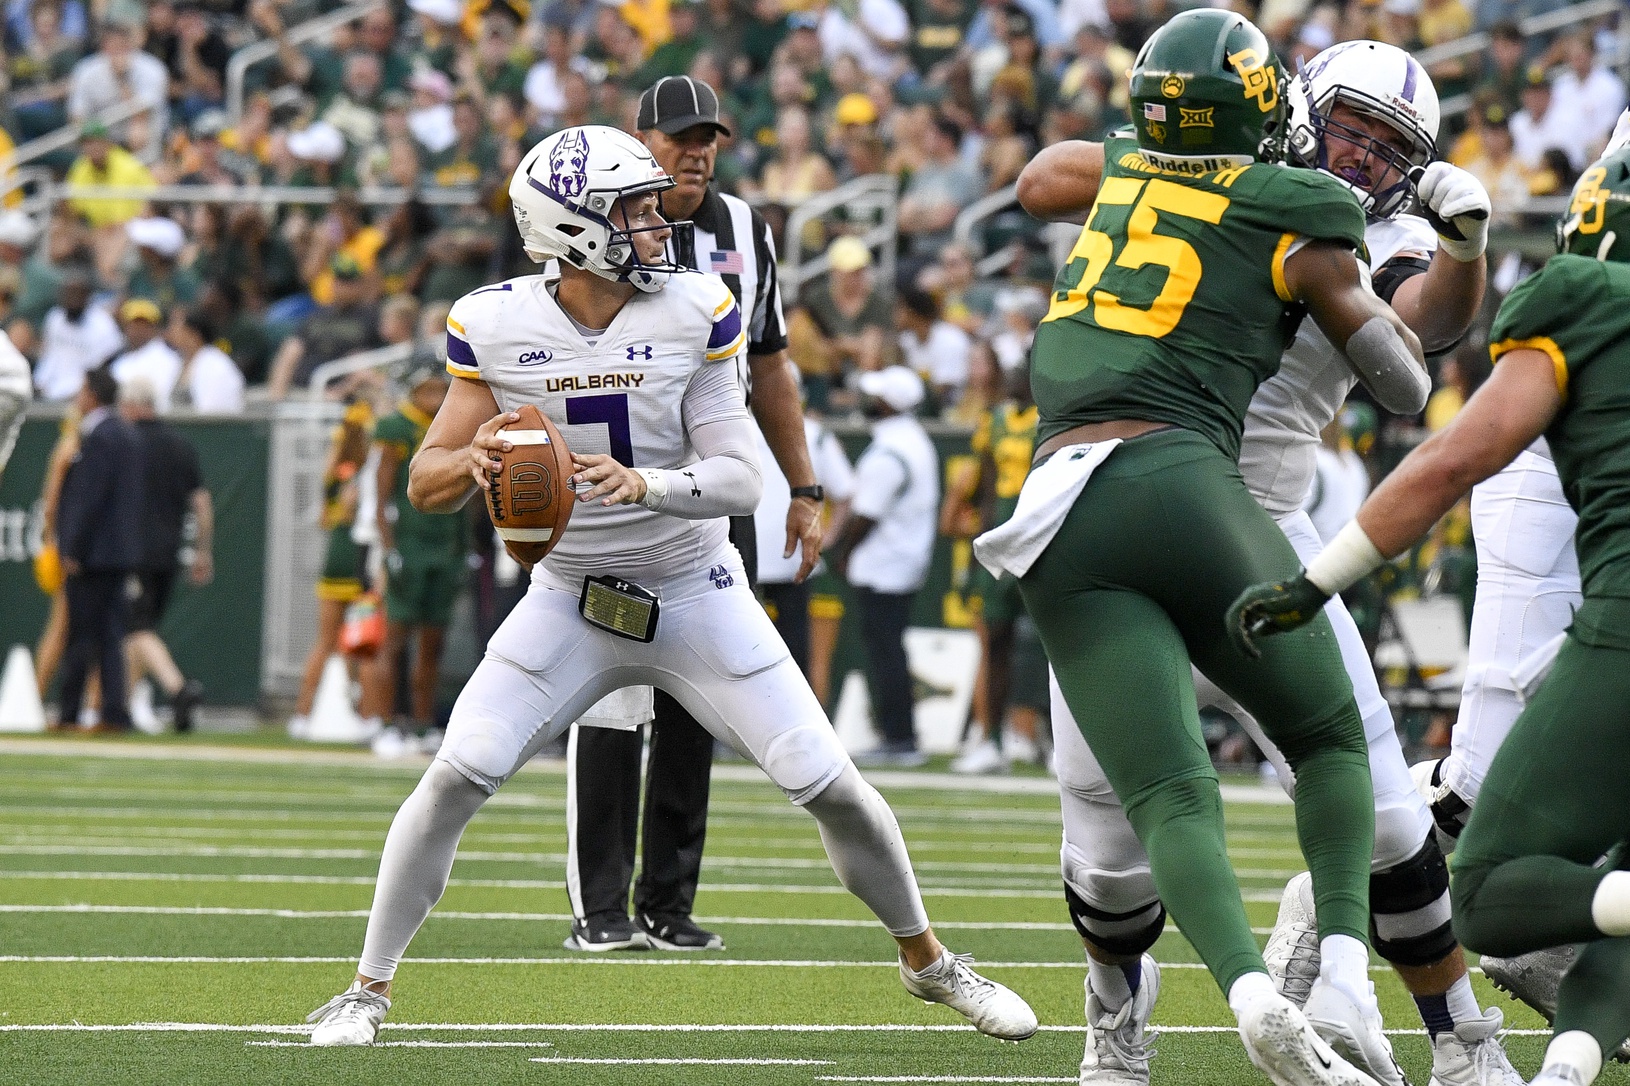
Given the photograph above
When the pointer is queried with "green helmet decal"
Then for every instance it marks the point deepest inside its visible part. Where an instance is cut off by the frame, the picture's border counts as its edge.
(1598, 217)
(1206, 86)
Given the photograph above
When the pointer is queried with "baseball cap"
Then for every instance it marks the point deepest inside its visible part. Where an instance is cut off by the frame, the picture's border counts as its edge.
(345, 266)
(1537, 76)
(18, 228)
(803, 20)
(677, 102)
(164, 236)
(94, 130)
(855, 108)
(848, 254)
(209, 124)
(141, 309)
(896, 386)
(446, 12)
(319, 141)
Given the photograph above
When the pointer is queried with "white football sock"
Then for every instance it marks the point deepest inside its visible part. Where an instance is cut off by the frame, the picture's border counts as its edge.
(1463, 1001)
(1575, 1049)
(1610, 908)
(1345, 962)
(1249, 990)
(417, 859)
(1109, 983)
(868, 852)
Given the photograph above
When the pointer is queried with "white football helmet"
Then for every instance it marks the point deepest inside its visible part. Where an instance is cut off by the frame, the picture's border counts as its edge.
(1384, 82)
(565, 191)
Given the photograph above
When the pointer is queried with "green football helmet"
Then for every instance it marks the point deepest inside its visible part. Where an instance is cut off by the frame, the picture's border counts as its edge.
(1599, 212)
(1207, 92)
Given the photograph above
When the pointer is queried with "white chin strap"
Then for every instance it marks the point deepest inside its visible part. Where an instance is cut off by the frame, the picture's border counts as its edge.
(1607, 243)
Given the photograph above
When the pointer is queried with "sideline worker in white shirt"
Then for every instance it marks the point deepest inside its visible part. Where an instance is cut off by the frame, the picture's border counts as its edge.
(885, 548)
(77, 338)
(147, 356)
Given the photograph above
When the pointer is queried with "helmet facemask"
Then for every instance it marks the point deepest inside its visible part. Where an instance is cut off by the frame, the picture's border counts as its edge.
(1310, 147)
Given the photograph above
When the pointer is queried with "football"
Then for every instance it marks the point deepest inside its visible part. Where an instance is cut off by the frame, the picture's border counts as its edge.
(530, 501)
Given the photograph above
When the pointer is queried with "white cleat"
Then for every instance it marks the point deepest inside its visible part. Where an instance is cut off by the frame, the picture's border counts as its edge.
(993, 1009)
(1118, 1051)
(1292, 953)
(350, 1018)
(1354, 1030)
(982, 757)
(1471, 1055)
(1284, 1047)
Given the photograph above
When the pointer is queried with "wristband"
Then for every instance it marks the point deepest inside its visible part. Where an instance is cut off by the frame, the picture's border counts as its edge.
(1349, 557)
(815, 493)
(656, 487)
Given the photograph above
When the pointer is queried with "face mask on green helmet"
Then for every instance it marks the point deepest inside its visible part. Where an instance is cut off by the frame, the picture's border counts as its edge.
(1598, 220)
(1207, 93)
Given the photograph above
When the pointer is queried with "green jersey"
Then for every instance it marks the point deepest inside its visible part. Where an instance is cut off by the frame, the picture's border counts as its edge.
(1173, 305)
(426, 535)
(1574, 310)
(1008, 433)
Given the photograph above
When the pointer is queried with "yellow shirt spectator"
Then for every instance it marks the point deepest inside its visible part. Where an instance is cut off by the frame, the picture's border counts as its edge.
(14, 198)
(649, 18)
(363, 247)
(118, 167)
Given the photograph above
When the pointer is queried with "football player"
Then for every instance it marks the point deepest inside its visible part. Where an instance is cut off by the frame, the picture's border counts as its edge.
(1196, 264)
(1528, 867)
(637, 362)
(1367, 114)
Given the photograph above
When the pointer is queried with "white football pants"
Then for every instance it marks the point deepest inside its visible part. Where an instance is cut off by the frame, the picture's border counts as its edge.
(719, 655)
(1103, 860)
(1527, 591)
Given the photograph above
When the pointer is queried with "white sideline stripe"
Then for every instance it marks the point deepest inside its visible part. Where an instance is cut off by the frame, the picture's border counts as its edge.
(939, 1078)
(357, 914)
(82, 748)
(692, 1061)
(522, 884)
(581, 1027)
(413, 1044)
(589, 960)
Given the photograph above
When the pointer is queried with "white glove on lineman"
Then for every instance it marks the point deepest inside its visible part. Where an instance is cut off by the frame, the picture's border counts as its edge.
(1457, 206)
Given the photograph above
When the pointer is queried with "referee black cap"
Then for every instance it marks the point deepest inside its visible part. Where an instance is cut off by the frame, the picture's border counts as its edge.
(677, 102)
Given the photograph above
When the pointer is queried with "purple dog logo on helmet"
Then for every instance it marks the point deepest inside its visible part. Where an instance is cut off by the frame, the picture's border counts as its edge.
(569, 164)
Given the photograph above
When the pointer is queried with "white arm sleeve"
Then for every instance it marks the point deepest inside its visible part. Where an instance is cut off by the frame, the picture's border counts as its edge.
(725, 481)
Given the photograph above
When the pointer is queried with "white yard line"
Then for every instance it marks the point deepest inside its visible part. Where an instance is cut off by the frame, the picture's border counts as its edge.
(632, 959)
(582, 1027)
(675, 1061)
(413, 1044)
(939, 1078)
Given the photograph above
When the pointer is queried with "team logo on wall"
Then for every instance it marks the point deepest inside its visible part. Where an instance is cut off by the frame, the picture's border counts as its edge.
(569, 165)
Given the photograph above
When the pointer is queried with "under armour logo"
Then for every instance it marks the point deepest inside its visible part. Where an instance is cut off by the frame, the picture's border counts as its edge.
(695, 491)
(721, 577)
(635, 352)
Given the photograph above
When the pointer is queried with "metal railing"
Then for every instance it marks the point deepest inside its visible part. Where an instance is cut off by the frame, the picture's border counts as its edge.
(255, 194)
(970, 218)
(329, 372)
(237, 67)
(873, 196)
(68, 134)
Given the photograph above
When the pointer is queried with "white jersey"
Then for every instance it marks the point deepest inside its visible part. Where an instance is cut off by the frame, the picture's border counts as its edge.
(1281, 439)
(633, 391)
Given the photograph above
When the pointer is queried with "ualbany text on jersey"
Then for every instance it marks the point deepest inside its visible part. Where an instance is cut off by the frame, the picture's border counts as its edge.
(580, 382)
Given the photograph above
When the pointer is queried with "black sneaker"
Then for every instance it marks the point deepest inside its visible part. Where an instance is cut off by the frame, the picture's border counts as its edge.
(605, 931)
(185, 701)
(677, 933)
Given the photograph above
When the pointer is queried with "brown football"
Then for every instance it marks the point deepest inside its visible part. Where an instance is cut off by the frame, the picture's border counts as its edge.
(530, 501)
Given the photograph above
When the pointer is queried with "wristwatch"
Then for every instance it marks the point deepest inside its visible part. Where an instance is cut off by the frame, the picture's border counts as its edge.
(817, 492)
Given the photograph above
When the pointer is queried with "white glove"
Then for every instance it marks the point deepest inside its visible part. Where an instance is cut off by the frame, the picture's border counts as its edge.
(1457, 206)
(1621, 135)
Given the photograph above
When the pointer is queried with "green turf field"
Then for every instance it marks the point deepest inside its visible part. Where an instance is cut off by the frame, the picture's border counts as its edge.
(170, 915)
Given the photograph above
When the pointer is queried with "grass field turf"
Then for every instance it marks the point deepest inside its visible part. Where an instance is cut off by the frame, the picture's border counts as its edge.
(172, 920)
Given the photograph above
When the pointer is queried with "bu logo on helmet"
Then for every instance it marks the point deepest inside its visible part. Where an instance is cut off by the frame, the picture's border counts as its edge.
(639, 352)
(1261, 83)
(569, 164)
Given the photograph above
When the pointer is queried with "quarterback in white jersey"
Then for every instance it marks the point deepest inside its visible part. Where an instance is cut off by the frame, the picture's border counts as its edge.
(1366, 113)
(635, 359)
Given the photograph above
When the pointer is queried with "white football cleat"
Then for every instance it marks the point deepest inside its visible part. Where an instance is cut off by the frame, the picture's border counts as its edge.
(350, 1018)
(1353, 1029)
(1284, 1047)
(993, 1009)
(1292, 953)
(1561, 1075)
(982, 757)
(1118, 1051)
(1471, 1055)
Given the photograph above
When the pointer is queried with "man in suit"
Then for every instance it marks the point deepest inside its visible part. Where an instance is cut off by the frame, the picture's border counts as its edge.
(99, 532)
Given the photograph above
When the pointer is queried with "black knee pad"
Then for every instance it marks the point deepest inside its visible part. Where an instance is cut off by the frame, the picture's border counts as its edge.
(1128, 934)
(1409, 909)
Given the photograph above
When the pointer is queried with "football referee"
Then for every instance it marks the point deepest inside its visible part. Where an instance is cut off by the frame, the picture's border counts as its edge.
(679, 121)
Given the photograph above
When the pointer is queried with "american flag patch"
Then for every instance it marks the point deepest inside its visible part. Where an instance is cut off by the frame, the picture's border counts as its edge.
(1154, 111)
(728, 262)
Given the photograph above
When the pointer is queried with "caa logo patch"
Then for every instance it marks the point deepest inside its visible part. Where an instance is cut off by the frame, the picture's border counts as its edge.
(534, 358)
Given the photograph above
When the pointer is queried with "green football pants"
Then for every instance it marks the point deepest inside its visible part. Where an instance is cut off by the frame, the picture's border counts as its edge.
(1557, 798)
(1133, 588)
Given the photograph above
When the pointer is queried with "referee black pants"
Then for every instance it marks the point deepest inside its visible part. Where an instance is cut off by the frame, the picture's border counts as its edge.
(604, 822)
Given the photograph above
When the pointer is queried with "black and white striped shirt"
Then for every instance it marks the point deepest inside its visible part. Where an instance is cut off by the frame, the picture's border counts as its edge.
(733, 242)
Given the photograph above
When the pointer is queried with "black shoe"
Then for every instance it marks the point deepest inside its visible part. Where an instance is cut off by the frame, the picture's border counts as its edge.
(185, 701)
(605, 931)
(677, 933)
